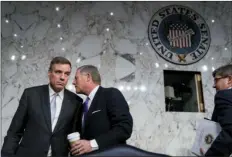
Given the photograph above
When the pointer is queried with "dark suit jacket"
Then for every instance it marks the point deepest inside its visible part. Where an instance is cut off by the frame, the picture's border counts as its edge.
(32, 123)
(110, 126)
(222, 146)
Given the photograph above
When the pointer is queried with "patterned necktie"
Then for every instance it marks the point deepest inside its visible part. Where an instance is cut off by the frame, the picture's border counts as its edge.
(53, 107)
(85, 110)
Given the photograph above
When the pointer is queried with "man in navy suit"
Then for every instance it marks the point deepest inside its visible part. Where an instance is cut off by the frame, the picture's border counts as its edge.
(222, 146)
(44, 117)
(106, 120)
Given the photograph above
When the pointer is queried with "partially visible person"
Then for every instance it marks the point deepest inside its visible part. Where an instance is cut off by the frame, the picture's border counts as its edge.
(222, 146)
(106, 119)
(44, 117)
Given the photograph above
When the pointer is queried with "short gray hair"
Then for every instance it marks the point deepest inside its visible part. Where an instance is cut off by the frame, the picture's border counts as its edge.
(93, 72)
(223, 71)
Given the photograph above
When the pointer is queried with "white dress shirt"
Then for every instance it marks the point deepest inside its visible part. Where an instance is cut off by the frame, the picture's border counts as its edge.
(93, 142)
(59, 100)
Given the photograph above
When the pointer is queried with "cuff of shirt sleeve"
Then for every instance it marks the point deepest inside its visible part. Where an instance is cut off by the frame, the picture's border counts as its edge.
(94, 144)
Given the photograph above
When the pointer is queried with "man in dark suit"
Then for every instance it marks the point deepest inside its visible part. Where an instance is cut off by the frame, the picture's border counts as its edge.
(106, 120)
(222, 145)
(44, 117)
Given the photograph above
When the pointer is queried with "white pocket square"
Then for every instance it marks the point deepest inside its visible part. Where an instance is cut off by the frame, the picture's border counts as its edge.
(96, 111)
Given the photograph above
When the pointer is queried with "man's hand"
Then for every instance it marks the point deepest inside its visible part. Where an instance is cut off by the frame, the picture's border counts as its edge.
(202, 152)
(81, 147)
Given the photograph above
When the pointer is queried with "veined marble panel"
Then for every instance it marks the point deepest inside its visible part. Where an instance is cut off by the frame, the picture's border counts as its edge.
(112, 36)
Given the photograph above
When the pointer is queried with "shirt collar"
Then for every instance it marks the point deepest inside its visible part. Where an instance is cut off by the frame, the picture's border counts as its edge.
(93, 92)
(52, 92)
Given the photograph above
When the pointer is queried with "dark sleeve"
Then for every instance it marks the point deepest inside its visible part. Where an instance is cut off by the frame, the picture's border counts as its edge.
(222, 146)
(16, 129)
(77, 117)
(76, 123)
(120, 119)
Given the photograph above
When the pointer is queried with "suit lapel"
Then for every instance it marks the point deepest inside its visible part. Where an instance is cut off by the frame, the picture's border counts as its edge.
(63, 111)
(46, 107)
(93, 105)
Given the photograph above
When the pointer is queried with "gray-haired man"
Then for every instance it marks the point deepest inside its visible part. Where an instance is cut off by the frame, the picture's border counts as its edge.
(106, 120)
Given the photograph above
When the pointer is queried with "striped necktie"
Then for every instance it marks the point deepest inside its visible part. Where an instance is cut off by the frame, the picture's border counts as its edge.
(85, 110)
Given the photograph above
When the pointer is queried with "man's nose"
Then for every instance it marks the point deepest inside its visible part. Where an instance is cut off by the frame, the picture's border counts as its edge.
(62, 77)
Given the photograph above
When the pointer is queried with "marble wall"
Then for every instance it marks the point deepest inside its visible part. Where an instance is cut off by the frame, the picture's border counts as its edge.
(112, 36)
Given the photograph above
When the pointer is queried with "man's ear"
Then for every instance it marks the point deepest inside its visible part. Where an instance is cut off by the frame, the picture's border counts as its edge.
(230, 80)
(89, 77)
(49, 73)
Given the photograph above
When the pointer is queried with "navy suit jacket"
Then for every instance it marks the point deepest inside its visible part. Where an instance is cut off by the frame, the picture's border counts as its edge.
(108, 120)
(222, 146)
(30, 132)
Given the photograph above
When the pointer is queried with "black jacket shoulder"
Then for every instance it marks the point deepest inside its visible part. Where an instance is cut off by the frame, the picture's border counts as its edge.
(73, 95)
